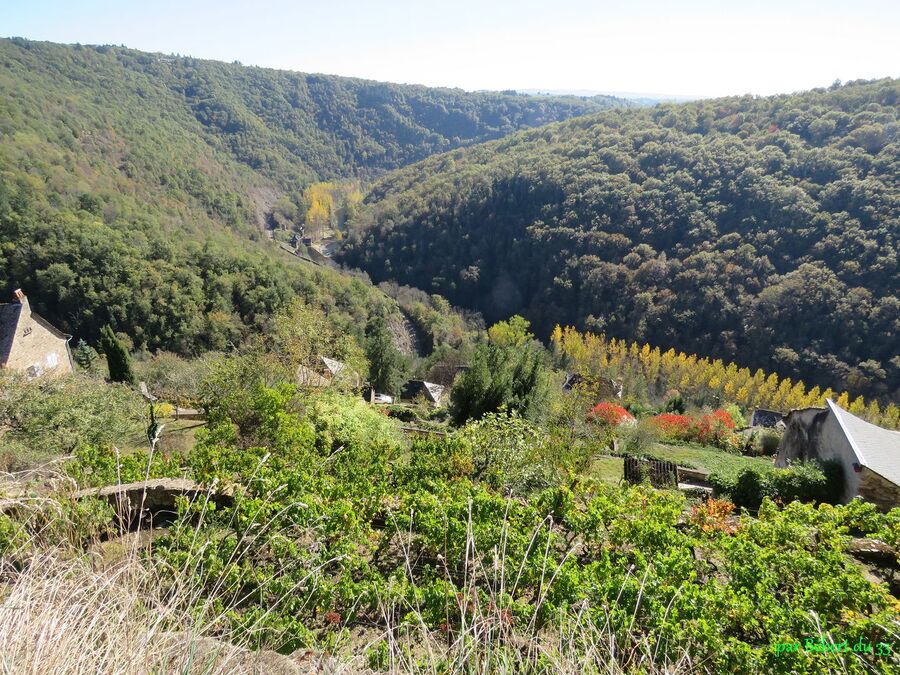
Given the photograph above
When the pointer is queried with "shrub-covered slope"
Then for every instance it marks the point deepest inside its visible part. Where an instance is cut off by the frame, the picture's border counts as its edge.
(759, 230)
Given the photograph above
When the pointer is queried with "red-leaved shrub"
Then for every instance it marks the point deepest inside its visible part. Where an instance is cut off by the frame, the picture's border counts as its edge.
(715, 428)
(610, 413)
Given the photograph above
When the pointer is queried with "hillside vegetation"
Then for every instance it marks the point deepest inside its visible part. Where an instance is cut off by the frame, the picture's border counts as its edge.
(322, 531)
(757, 230)
(131, 184)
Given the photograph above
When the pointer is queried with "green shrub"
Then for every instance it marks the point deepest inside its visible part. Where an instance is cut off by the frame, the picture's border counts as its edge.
(509, 452)
(96, 467)
(637, 439)
(48, 417)
(805, 482)
(675, 405)
(740, 422)
(768, 443)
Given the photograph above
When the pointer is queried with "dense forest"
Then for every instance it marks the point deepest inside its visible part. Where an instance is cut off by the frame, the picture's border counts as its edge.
(758, 230)
(132, 185)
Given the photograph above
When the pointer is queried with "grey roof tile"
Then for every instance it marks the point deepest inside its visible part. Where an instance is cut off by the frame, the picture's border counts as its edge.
(875, 447)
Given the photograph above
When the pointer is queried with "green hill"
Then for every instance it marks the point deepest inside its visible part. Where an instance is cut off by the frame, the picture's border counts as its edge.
(132, 185)
(758, 230)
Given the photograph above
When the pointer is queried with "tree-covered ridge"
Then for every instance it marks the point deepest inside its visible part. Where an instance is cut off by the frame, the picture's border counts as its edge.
(295, 127)
(757, 230)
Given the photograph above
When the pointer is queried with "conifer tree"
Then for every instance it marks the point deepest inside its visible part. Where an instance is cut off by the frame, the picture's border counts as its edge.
(117, 358)
(387, 368)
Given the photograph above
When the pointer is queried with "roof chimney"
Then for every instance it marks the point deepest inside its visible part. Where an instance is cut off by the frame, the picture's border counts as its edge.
(20, 296)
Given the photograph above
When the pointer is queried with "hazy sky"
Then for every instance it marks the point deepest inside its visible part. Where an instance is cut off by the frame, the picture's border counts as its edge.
(692, 47)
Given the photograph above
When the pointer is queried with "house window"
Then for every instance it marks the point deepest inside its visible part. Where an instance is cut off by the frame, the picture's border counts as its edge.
(52, 360)
(35, 370)
(26, 332)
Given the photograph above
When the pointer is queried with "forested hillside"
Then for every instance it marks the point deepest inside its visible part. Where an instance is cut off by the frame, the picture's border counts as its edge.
(759, 230)
(131, 184)
(293, 127)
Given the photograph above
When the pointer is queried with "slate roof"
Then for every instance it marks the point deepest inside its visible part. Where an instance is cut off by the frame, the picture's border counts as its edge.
(875, 447)
(765, 418)
(334, 366)
(430, 390)
(9, 320)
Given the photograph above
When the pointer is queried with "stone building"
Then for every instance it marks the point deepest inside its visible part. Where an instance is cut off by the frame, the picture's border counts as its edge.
(868, 454)
(603, 388)
(28, 343)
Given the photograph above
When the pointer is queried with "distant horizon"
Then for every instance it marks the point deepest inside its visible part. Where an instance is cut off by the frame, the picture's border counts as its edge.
(697, 49)
(661, 97)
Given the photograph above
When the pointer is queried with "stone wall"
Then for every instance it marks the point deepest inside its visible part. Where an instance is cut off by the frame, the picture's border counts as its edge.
(878, 490)
(800, 439)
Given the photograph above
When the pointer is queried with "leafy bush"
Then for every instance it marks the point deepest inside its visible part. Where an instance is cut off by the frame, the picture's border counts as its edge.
(673, 425)
(174, 378)
(712, 516)
(345, 420)
(509, 452)
(675, 404)
(637, 439)
(807, 482)
(49, 417)
(734, 412)
(769, 442)
(610, 414)
(715, 428)
(96, 466)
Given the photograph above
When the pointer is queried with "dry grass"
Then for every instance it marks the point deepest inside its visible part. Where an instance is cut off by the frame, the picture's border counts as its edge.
(64, 616)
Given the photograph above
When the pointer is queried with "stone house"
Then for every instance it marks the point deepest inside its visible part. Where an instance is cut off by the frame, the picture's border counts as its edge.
(604, 388)
(868, 454)
(28, 343)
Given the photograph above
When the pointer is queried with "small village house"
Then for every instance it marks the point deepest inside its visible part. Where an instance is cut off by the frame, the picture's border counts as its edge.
(766, 418)
(868, 454)
(325, 372)
(603, 388)
(431, 392)
(29, 343)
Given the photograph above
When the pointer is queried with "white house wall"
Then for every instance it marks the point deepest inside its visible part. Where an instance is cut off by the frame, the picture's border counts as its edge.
(833, 445)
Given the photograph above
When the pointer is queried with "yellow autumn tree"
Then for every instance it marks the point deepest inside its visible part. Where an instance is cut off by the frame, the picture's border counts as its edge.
(647, 371)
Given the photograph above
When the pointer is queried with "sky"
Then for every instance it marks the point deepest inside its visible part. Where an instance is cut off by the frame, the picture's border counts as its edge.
(674, 47)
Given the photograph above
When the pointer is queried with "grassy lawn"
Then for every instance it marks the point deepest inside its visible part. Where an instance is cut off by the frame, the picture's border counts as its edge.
(177, 436)
(607, 469)
(695, 456)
